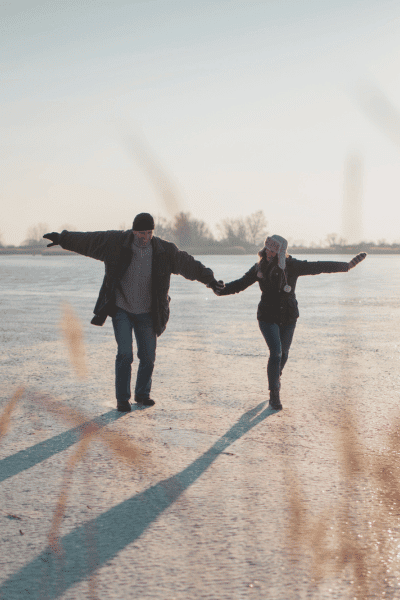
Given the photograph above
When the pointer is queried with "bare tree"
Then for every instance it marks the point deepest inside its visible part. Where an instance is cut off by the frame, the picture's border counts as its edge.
(244, 231)
(200, 233)
(34, 235)
(256, 225)
(233, 231)
(182, 229)
(188, 231)
(164, 229)
(331, 239)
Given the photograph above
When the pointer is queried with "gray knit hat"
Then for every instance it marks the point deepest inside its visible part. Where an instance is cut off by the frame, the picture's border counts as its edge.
(277, 244)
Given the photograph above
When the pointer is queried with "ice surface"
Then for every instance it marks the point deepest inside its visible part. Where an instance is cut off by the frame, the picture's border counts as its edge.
(205, 514)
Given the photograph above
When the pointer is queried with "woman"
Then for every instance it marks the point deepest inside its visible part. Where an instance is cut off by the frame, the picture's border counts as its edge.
(277, 273)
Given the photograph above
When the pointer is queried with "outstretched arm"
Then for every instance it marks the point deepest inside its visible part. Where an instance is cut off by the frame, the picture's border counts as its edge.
(234, 287)
(357, 259)
(53, 237)
(95, 244)
(186, 265)
(304, 267)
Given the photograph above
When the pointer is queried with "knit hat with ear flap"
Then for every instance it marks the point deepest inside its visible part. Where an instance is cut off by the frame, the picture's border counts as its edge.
(277, 244)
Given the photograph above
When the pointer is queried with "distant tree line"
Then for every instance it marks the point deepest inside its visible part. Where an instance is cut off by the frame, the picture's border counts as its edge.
(339, 245)
(185, 231)
(244, 233)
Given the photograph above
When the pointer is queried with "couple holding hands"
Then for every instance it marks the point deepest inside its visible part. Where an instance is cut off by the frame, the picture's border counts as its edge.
(134, 293)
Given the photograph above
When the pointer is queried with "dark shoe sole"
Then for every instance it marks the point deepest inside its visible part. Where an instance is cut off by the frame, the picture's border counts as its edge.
(275, 406)
(145, 401)
(124, 407)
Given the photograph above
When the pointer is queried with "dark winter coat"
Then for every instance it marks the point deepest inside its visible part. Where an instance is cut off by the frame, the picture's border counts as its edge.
(114, 249)
(276, 305)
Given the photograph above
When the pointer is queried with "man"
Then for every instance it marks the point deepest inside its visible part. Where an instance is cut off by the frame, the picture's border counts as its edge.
(134, 293)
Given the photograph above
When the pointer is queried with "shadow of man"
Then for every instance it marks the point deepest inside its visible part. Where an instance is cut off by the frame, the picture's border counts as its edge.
(48, 576)
(25, 459)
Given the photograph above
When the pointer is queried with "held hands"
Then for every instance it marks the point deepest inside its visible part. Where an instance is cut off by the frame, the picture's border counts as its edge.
(354, 261)
(54, 237)
(216, 286)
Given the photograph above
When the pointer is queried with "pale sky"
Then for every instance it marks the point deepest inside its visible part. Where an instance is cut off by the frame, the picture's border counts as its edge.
(246, 105)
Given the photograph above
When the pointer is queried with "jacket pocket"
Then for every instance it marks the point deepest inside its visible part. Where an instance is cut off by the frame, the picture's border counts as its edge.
(292, 309)
(165, 309)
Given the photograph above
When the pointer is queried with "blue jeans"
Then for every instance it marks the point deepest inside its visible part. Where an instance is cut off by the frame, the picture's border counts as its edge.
(278, 338)
(146, 341)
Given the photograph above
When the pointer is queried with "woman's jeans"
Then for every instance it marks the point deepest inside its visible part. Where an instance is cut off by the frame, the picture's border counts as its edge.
(278, 338)
(146, 341)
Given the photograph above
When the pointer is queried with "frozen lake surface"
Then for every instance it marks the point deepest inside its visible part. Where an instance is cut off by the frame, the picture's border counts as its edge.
(205, 514)
(33, 288)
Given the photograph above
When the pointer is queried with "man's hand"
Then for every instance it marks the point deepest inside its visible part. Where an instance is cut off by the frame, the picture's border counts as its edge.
(216, 286)
(357, 259)
(54, 237)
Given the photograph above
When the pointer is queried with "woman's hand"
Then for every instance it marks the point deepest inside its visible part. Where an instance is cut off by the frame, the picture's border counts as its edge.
(216, 286)
(357, 259)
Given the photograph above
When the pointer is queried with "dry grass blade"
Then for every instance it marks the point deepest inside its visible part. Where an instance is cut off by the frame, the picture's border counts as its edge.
(322, 555)
(5, 418)
(297, 525)
(78, 455)
(352, 535)
(118, 443)
(381, 111)
(73, 334)
(161, 181)
(350, 450)
(304, 534)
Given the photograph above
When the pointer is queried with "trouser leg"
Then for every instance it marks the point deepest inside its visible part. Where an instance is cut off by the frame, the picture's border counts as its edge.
(146, 340)
(286, 335)
(271, 335)
(123, 362)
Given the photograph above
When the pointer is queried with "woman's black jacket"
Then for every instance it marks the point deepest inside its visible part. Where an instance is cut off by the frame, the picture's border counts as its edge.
(276, 305)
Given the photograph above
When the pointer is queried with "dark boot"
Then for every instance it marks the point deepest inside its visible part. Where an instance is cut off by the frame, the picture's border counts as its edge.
(123, 406)
(274, 400)
(144, 401)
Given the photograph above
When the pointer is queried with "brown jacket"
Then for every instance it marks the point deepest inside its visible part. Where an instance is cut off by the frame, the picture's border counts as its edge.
(114, 249)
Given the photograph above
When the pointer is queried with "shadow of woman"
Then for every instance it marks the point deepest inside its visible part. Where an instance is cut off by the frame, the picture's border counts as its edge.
(48, 576)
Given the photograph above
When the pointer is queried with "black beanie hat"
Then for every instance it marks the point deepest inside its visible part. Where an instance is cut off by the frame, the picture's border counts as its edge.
(143, 222)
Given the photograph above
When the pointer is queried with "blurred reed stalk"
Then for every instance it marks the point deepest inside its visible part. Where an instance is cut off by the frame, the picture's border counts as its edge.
(73, 461)
(5, 419)
(352, 213)
(71, 328)
(352, 536)
(161, 180)
(117, 443)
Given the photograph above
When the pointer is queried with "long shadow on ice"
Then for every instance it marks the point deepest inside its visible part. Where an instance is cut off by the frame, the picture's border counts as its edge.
(25, 459)
(48, 577)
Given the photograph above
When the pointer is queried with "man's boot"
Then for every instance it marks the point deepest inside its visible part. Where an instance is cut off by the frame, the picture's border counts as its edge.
(144, 400)
(123, 406)
(274, 400)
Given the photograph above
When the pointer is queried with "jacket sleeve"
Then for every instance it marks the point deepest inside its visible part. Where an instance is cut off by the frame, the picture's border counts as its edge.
(184, 264)
(303, 267)
(95, 244)
(234, 287)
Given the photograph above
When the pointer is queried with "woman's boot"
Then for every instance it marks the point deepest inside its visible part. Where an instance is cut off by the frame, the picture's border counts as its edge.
(274, 400)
